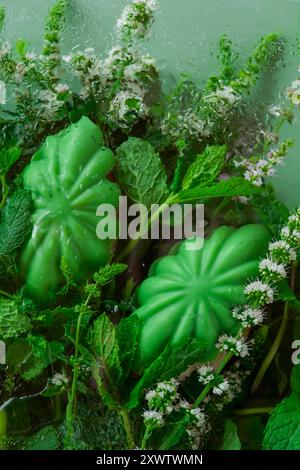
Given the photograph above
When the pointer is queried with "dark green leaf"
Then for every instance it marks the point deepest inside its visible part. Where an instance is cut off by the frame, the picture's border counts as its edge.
(12, 322)
(207, 166)
(128, 334)
(283, 428)
(21, 47)
(251, 431)
(295, 380)
(234, 186)
(140, 172)
(103, 342)
(15, 221)
(8, 156)
(231, 440)
(2, 17)
(46, 439)
(106, 274)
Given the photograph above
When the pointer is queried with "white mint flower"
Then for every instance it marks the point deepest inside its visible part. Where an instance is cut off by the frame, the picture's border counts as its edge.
(271, 270)
(221, 387)
(228, 94)
(153, 418)
(183, 405)
(62, 88)
(275, 110)
(296, 84)
(295, 98)
(206, 374)
(150, 395)
(30, 56)
(67, 58)
(163, 397)
(294, 222)
(248, 316)
(198, 417)
(260, 291)
(291, 236)
(282, 252)
(231, 344)
(59, 379)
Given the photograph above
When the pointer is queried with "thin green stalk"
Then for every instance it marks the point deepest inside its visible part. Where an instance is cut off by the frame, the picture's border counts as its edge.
(72, 402)
(225, 201)
(273, 350)
(127, 426)
(3, 427)
(132, 244)
(278, 340)
(253, 411)
(209, 386)
(145, 439)
(6, 294)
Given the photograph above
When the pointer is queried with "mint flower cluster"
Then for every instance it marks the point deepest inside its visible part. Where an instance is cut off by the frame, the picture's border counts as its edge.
(136, 20)
(262, 291)
(294, 92)
(163, 400)
(256, 168)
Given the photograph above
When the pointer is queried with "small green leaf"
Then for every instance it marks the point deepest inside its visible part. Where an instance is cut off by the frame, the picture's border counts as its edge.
(8, 156)
(170, 363)
(283, 428)
(207, 166)
(128, 335)
(103, 342)
(140, 172)
(106, 274)
(2, 17)
(21, 361)
(12, 322)
(295, 380)
(231, 440)
(234, 186)
(46, 439)
(251, 431)
(21, 47)
(15, 221)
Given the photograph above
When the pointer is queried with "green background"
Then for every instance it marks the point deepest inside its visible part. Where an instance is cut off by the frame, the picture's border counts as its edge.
(184, 39)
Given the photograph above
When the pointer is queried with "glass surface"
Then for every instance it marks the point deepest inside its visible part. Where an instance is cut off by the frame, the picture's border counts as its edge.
(184, 39)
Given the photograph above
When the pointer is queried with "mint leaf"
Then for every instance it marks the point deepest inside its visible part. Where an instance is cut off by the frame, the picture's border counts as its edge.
(15, 222)
(295, 380)
(140, 172)
(21, 361)
(231, 440)
(8, 156)
(103, 342)
(2, 17)
(234, 186)
(106, 274)
(283, 428)
(46, 439)
(12, 322)
(21, 47)
(207, 166)
(128, 335)
(170, 363)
